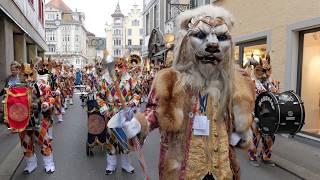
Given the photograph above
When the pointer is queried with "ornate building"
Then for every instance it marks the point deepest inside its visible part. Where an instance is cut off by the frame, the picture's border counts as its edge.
(22, 35)
(66, 35)
(125, 33)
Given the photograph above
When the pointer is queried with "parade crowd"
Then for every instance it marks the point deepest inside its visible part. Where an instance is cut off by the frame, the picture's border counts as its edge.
(202, 103)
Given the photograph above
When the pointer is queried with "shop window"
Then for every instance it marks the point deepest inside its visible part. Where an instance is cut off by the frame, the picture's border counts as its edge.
(309, 79)
(257, 49)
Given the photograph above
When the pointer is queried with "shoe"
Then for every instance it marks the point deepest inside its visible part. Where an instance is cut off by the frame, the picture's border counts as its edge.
(126, 164)
(111, 164)
(63, 111)
(269, 162)
(50, 132)
(31, 164)
(48, 164)
(60, 118)
(254, 163)
(71, 101)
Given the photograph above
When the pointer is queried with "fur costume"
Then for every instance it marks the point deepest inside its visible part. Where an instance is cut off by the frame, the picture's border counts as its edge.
(203, 82)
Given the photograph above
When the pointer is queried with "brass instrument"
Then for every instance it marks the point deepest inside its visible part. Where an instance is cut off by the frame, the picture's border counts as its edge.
(134, 61)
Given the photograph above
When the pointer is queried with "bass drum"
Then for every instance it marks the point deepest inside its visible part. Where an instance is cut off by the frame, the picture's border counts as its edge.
(279, 113)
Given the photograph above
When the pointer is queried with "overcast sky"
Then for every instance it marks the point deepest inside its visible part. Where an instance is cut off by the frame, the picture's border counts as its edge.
(98, 12)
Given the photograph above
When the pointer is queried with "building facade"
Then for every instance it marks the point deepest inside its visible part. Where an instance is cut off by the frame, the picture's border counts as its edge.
(96, 46)
(124, 36)
(293, 40)
(22, 35)
(66, 35)
(291, 37)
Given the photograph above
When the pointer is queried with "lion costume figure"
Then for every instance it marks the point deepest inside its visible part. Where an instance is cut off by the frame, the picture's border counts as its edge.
(200, 102)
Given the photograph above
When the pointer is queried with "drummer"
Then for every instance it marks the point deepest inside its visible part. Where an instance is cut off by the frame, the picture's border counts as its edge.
(115, 93)
(262, 144)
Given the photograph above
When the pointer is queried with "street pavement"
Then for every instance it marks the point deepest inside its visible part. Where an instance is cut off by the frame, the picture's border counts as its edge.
(73, 164)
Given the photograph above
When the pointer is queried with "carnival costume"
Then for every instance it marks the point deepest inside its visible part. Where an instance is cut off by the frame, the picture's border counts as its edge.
(199, 102)
(36, 127)
(114, 94)
(262, 144)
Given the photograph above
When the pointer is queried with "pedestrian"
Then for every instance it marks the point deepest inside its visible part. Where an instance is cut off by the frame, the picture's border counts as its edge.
(13, 78)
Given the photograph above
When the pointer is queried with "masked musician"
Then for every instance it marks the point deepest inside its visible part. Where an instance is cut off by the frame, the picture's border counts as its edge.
(115, 93)
(35, 128)
(200, 102)
(262, 144)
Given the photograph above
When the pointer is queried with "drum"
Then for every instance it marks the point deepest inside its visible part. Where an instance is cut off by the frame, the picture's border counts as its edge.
(96, 125)
(17, 107)
(279, 113)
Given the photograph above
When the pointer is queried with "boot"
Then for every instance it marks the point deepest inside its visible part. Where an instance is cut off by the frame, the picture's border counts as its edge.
(71, 101)
(48, 164)
(63, 111)
(50, 132)
(126, 164)
(111, 164)
(59, 117)
(31, 164)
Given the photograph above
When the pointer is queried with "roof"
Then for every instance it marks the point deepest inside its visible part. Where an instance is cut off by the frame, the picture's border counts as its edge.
(59, 4)
(117, 12)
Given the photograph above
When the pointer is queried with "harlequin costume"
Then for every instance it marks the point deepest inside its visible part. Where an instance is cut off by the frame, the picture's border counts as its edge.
(114, 94)
(36, 130)
(195, 115)
(262, 144)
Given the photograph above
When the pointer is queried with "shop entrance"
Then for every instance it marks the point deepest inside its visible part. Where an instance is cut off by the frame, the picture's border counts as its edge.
(308, 85)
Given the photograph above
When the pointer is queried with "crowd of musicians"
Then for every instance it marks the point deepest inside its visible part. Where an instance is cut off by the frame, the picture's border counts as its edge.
(36, 93)
(115, 83)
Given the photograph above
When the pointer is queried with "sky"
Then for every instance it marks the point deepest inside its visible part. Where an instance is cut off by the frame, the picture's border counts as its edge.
(98, 12)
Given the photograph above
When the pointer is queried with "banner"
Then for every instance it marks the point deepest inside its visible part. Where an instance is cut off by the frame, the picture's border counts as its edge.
(17, 108)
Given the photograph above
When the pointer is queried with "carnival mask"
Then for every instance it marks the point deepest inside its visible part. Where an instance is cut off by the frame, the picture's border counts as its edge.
(263, 70)
(210, 38)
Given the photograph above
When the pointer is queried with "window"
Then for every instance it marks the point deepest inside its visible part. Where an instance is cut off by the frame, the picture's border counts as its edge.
(66, 38)
(193, 3)
(257, 49)
(52, 48)
(117, 21)
(31, 2)
(168, 10)
(129, 42)
(50, 35)
(308, 84)
(76, 38)
(207, 1)
(147, 24)
(156, 16)
(141, 32)
(129, 32)
(141, 42)
(40, 11)
(135, 22)
(77, 28)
